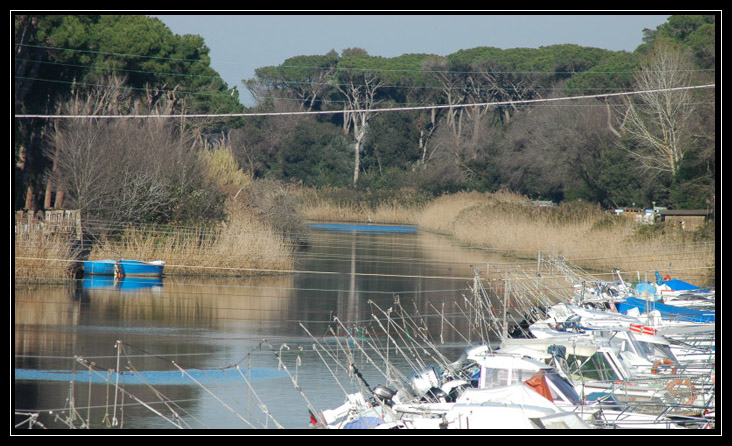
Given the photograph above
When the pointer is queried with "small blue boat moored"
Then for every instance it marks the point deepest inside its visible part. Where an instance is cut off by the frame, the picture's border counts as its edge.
(122, 268)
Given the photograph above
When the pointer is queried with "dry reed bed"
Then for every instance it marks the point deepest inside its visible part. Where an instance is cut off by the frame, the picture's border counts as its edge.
(504, 222)
(393, 213)
(242, 246)
(583, 234)
(42, 257)
(508, 223)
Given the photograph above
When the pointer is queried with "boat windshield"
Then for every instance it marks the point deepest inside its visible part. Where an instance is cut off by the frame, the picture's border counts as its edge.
(594, 368)
(653, 350)
(561, 389)
(499, 377)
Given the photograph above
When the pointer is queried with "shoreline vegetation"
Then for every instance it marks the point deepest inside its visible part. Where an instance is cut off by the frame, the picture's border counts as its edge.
(508, 223)
(266, 227)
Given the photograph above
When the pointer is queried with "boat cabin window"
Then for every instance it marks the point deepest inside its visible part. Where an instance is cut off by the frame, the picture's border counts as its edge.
(594, 368)
(503, 377)
(628, 342)
(653, 350)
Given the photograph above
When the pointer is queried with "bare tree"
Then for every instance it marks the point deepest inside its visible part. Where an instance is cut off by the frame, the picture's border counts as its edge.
(658, 119)
(452, 85)
(125, 170)
(360, 94)
(80, 161)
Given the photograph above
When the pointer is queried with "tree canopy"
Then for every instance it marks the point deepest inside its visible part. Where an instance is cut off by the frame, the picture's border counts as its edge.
(598, 150)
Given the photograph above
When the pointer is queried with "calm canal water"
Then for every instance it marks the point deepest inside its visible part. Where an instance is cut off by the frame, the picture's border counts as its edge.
(69, 340)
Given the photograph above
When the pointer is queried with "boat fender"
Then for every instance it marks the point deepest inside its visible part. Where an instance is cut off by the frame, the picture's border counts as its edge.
(654, 370)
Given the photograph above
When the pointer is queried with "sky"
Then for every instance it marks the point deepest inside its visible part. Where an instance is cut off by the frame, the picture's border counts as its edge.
(241, 42)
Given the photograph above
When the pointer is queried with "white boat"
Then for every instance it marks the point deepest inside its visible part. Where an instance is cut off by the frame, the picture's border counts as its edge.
(517, 406)
(488, 390)
(639, 337)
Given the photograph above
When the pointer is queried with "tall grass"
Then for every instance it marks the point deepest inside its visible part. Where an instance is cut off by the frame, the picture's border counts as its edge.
(584, 233)
(41, 256)
(242, 246)
(581, 232)
(347, 205)
(249, 243)
(220, 166)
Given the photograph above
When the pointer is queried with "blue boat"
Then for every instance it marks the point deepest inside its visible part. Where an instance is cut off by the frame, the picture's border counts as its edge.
(122, 268)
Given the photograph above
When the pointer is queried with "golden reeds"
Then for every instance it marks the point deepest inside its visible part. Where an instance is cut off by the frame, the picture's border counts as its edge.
(506, 223)
(509, 223)
(241, 246)
(383, 213)
(584, 234)
(41, 256)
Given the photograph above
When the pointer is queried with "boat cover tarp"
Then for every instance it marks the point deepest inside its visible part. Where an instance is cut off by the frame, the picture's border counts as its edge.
(675, 284)
(539, 384)
(680, 285)
(668, 312)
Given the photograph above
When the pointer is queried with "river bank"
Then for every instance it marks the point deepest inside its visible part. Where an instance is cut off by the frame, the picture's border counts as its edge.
(261, 239)
(509, 224)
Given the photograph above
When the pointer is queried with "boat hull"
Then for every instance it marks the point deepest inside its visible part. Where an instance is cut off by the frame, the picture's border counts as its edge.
(123, 267)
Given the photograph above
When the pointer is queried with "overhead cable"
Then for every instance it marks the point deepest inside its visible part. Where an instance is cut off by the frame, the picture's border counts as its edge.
(371, 110)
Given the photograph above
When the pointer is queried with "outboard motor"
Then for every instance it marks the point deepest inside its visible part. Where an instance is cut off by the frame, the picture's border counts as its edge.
(436, 394)
(422, 381)
(521, 330)
(418, 384)
(571, 324)
(384, 394)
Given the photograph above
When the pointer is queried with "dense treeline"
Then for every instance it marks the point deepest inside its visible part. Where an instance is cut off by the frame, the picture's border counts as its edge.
(625, 150)
(124, 171)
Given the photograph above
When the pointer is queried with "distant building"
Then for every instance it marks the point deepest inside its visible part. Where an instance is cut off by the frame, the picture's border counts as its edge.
(543, 204)
(644, 216)
(685, 220)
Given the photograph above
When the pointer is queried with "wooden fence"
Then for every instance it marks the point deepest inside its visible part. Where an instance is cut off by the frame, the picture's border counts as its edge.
(56, 221)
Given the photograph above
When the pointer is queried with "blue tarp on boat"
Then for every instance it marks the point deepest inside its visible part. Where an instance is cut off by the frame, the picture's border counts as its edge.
(676, 284)
(680, 285)
(668, 312)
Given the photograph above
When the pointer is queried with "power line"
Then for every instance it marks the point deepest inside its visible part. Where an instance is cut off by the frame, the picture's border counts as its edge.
(332, 101)
(372, 110)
